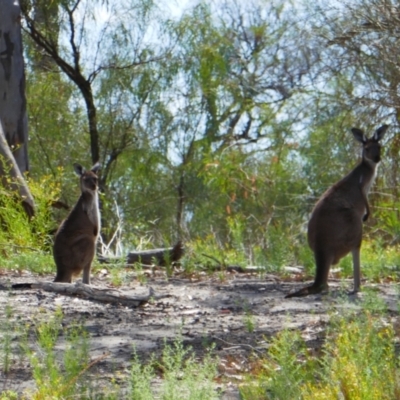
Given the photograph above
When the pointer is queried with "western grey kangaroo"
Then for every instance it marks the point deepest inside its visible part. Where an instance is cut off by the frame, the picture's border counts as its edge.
(75, 240)
(335, 226)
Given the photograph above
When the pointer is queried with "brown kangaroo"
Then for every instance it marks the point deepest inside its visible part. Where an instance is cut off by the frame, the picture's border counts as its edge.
(75, 240)
(335, 226)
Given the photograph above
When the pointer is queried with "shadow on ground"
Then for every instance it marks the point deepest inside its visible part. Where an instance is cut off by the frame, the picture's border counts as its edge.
(237, 315)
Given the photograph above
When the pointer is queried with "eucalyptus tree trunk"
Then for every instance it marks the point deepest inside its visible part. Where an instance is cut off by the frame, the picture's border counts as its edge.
(13, 116)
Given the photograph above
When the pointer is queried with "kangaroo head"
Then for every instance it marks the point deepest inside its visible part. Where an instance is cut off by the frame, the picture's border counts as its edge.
(89, 179)
(371, 147)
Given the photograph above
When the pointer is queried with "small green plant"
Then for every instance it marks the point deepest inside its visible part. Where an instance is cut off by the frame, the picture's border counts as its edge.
(169, 267)
(9, 395)
(141, 379)
(140, 275)
(248, 318)
(118, 275)
(184, 377)
(282, 374)
(53, 378)
(7, 328)
(222, 276)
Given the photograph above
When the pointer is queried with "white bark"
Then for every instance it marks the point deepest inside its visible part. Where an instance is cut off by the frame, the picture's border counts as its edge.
(17, 184)
(13, 117)
(12, 82)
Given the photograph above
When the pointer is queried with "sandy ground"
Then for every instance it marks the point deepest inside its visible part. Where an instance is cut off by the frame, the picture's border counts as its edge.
(238, 314)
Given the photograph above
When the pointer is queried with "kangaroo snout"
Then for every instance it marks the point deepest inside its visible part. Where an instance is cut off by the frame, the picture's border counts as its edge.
(90, 183)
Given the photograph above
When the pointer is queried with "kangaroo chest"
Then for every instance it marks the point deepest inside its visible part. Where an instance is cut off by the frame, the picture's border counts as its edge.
(91, 209)
(367, 181)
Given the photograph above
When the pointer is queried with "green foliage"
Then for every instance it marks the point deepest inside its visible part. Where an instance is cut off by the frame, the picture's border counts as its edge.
(53, 379)
(210, 254)
(372, 303)
(29, 260)
(357, 361)
(55, 125)
(330, 151)
(25, 244)
(283, 374)
(18, 233)
(305, 257)
(380, 261)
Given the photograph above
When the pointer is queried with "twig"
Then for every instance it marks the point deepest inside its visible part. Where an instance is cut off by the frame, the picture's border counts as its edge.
(213, 258)
(235, 345)
(75, 378)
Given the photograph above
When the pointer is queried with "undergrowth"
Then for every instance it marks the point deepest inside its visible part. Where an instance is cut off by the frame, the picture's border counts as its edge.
(25, 244)
(62, 368)
(357, 361)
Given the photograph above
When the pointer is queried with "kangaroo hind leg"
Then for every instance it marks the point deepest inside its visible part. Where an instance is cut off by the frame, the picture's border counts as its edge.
(323, 261)
(356, 269)
(63, 275)
(86, 273)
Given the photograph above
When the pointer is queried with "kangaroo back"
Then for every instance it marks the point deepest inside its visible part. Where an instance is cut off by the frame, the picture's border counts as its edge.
(335, 226)
(75, 240)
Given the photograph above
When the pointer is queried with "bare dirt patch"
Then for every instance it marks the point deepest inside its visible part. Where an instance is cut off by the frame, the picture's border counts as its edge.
(238, 314)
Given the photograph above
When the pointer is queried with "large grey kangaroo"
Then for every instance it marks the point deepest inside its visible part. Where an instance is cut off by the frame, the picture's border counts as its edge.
(335, 226)
(75, 239)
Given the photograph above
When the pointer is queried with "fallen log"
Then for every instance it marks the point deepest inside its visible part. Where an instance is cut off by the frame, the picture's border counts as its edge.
(104, 295)
(160, 257)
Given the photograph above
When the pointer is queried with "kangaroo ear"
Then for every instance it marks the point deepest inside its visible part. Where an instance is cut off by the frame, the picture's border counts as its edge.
(96, 167)
(359, 135)
(380, 132)
(79, 170)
